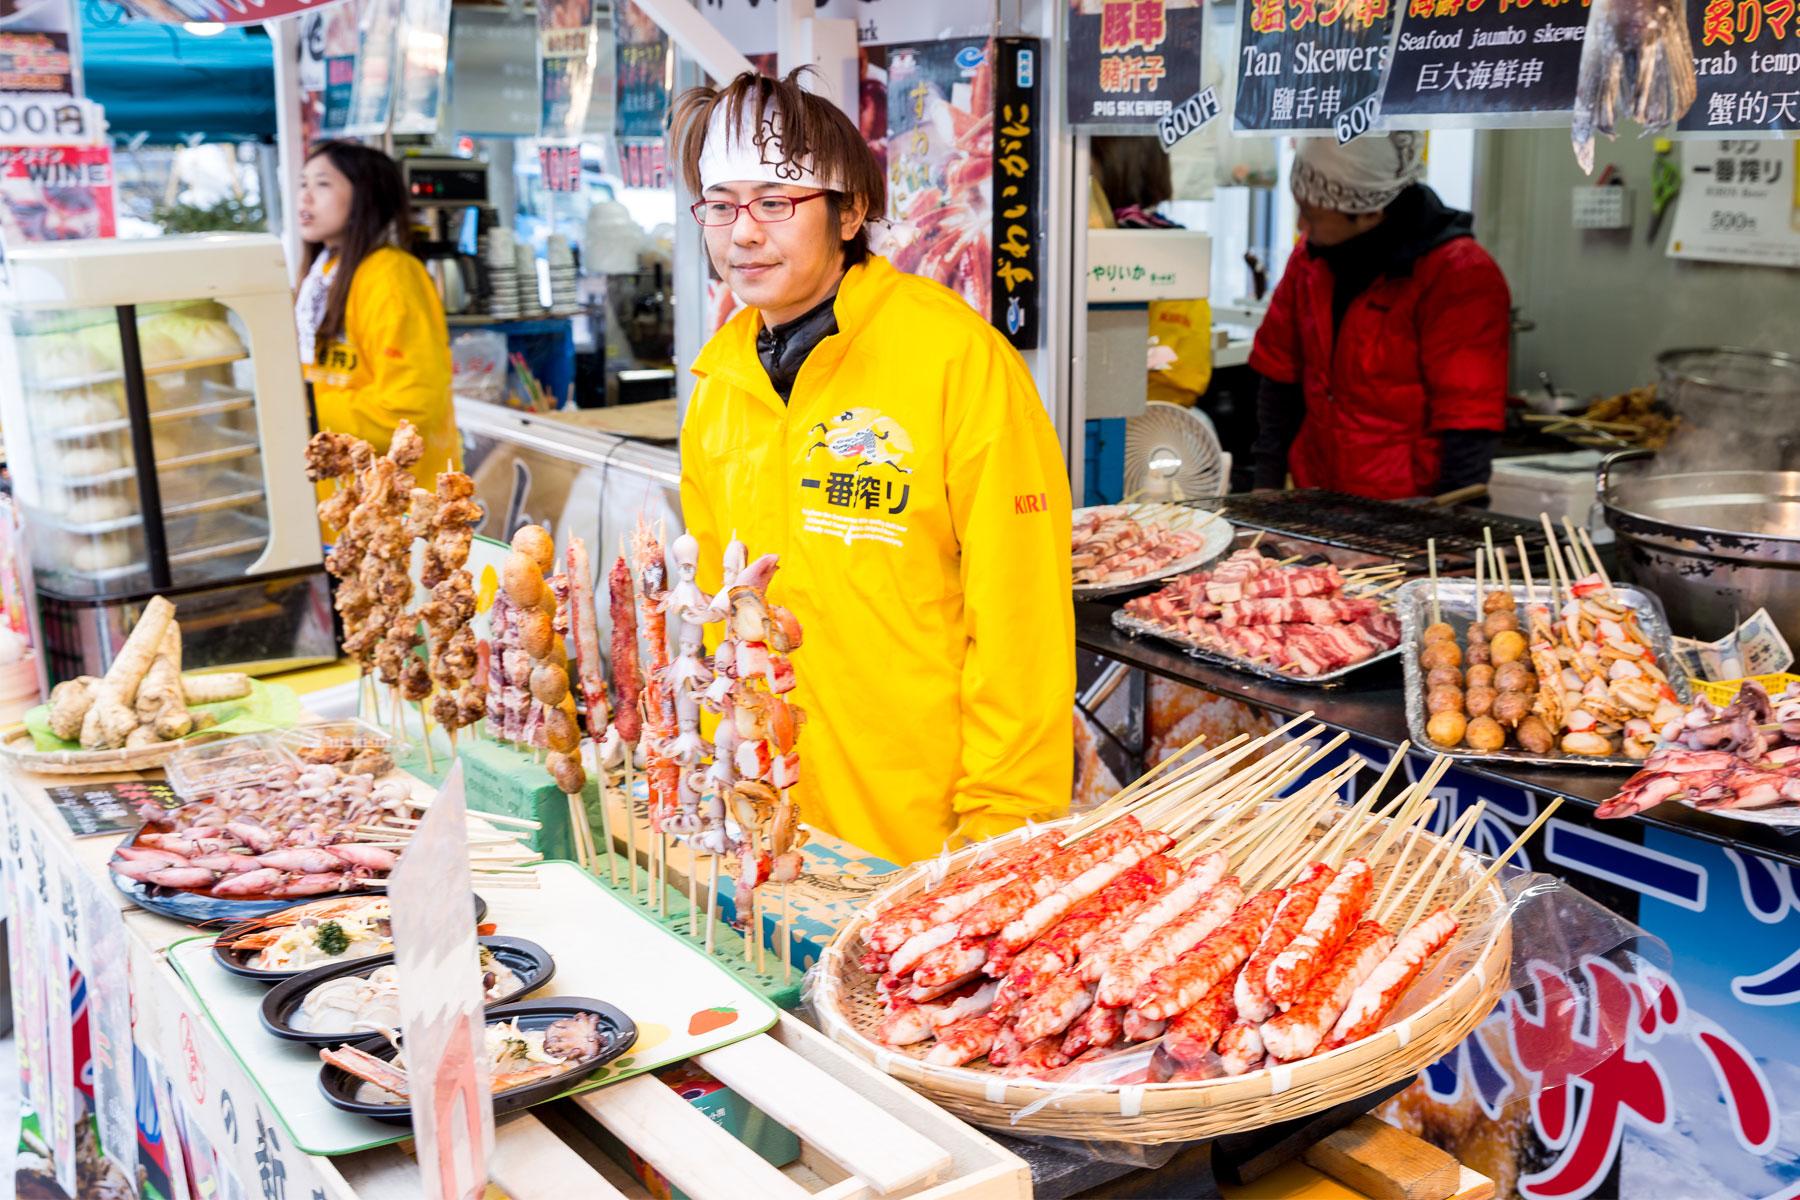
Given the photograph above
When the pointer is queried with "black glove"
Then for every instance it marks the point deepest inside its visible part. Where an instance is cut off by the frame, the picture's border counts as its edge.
(1280, 410)
(1466, 458)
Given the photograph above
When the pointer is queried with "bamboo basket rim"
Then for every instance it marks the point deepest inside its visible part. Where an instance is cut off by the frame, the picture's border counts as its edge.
(92, 762)
(1151, 1113)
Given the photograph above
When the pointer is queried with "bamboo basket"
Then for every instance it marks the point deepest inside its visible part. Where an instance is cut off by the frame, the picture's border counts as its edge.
(1471, 974)
(16, 748)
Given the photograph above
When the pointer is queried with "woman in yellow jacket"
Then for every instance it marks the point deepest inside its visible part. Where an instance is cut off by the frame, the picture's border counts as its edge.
(373, 341)
(886, 441)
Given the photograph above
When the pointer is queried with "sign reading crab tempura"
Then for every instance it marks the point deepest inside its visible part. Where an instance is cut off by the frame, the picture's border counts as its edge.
(440, 1001)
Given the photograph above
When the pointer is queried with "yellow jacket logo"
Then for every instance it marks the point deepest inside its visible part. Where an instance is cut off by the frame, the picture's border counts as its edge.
(864, 436)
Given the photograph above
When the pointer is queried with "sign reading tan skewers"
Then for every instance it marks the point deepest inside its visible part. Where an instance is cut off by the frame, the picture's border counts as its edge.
(1220, 946)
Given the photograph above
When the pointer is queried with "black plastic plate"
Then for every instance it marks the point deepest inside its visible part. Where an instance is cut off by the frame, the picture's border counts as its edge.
(618, 1034)
(238, 961)
(528, 960)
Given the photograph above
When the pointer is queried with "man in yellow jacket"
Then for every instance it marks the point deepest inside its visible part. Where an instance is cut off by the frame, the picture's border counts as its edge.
(888, 443)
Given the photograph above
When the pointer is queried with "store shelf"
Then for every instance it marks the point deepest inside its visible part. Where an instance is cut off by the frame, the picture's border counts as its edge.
(236, 444)
(188, 494)
(233, 401)
(478, 320)
(118, 375)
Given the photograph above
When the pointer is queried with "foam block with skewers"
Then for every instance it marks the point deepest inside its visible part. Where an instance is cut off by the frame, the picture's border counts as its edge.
(1191, 914)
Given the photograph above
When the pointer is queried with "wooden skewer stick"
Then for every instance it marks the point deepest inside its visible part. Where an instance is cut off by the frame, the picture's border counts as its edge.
(1410, 812)
(1273, 857)
(1588, 541)
(1257, 540)
(425, 736)
(1215, 790)
(712, 904)
(1344, 829)
(693, 874)
(1505, 572)
(1480, 586)
(1488, 875)
(1451, 846)
(1245, 843)
(1263, 780)
(602, 778)
(1113, 808)
(630, 823)
(1405, 856)
(1555, 551)
(1437, 616)
(1577, 555)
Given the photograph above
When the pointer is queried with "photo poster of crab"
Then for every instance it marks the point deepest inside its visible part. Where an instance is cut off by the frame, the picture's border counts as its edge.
(940, 147)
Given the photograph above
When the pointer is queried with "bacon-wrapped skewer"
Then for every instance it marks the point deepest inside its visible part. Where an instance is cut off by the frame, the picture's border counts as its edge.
(1101, 1026)
(1062, 946)
(965, 1041)
(1339, 909)
(1201, 876)
(1375, 997)
(1299, 1031)
(1252, 991)
(1054, 1009)
(1240, 1048)
(1179, 986)
(956, 895)
(992, 912)
(1192, 1032)
(1123, 979)
(1041, 915)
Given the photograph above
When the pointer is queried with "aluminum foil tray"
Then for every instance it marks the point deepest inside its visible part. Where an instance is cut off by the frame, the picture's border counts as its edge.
(1456, 601)
(1138, 627)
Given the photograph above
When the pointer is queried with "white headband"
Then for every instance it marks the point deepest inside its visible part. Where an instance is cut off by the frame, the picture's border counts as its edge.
(1362, 176)
(752, 152)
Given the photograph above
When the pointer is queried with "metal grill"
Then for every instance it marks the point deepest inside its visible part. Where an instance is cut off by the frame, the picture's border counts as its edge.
(1379, 527)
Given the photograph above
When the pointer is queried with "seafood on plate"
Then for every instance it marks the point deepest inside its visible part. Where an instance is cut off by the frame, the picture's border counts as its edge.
(1119, 544)
(293, 833)
(314, 935)
(1745, 755)
(516, 1057)
(1300, 620)
(351, 1003)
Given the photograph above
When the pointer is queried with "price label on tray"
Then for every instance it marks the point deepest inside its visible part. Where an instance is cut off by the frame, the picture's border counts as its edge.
(100, 808)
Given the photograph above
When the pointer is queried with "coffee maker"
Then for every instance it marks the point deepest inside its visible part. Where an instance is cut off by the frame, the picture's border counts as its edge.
(450, 204)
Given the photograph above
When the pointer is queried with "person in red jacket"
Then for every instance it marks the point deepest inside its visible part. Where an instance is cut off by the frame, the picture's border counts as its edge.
(1383, 356)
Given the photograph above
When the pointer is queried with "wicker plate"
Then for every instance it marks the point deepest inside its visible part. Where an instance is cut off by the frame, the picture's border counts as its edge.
(1465, 983)
(16, 748)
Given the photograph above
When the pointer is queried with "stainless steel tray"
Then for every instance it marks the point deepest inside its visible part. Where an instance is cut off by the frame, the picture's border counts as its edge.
(1138, 627)
(1456, 601)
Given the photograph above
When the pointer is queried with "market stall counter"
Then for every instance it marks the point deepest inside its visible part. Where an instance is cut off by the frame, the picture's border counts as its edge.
(179, 1084)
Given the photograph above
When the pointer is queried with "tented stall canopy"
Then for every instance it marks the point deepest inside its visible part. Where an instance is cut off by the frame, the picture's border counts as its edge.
(170, 85)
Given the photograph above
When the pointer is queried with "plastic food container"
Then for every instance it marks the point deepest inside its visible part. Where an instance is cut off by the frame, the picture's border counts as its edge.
(200, 771)
(350, 744)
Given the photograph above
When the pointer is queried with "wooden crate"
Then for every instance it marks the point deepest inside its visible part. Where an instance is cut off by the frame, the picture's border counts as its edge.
(862, 1135)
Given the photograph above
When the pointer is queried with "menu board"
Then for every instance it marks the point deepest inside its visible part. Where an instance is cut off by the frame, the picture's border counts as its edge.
(1747, 67)
(1737, 203)
(55, 193)
(1130, 62)
(92, 809)
(1476, 58)
(1304, 66)
(642, 85)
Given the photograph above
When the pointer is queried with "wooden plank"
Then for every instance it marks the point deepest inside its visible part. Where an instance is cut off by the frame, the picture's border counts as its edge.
(532, 1163)
(690, 1151)
(1372, 1157)
(848, 1129)
(1473, 1186)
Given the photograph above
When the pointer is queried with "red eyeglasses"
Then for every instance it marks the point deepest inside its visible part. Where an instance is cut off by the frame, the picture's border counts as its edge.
(764, 210)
